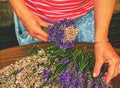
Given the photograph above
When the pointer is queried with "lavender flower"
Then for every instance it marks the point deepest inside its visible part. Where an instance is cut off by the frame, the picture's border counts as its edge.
(100, 83)
(95, 82)
(63, 33)
(46, 74)
(89, 81)
(69, 79)
(65, 61)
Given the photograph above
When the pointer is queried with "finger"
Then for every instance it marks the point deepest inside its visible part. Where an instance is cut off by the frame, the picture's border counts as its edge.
(42, 22)
(110, 74)
(97, 67)
(42, 33)
(39, 33)
(116, 71)
(42, 38)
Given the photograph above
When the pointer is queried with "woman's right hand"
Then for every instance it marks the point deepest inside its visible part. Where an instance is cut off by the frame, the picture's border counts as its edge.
(34, 26)
(32, 23)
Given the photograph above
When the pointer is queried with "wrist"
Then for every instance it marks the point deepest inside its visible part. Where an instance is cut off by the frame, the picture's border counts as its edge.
(101, 35)
(101, 39)
(97, 42)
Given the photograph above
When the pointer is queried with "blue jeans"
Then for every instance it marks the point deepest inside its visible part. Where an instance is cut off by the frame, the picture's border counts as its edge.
(85, 24)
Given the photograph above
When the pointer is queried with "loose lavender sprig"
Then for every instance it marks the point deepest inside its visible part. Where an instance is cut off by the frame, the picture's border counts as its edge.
(63, 33)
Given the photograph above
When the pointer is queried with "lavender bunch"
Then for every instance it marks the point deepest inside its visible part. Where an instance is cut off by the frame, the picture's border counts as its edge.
(73, 69)
(52, 67)
(63, 33)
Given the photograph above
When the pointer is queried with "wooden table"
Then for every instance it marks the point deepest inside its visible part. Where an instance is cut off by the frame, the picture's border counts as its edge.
(10, 55)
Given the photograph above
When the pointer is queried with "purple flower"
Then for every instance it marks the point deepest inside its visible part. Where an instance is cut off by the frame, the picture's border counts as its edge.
(63, 33)
(69, 79)
(64, 61)
(46, 74)
(100, 83)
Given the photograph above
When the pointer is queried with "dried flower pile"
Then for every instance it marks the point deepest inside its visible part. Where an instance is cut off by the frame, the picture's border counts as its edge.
(60, 66)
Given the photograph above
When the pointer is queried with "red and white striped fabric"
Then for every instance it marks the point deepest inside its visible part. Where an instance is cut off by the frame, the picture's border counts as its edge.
(55, 10)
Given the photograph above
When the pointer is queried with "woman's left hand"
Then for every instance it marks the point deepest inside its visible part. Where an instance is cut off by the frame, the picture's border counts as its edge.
(105, 53)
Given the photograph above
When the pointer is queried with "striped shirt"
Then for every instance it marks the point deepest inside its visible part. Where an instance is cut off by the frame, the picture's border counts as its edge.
(55, 10)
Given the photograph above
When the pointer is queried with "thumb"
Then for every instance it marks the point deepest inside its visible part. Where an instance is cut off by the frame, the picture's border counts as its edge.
(97, 67)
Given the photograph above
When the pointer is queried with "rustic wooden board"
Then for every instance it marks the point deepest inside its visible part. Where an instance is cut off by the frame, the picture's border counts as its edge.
(10, 55)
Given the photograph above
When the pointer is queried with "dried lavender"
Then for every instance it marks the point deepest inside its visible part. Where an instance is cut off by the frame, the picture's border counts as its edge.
(68, 69)
(55, 66)
(25, 73)
(63, 33)
(70, 79)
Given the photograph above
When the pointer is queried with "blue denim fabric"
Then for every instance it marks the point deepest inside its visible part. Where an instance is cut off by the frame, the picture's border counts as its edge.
(85, 24)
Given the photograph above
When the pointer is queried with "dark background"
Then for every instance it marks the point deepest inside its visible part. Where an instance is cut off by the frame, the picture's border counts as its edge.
(7, 32)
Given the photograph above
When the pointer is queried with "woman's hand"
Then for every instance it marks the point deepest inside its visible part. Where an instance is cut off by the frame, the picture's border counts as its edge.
(32, 22)
(34, 26)
(104, 53)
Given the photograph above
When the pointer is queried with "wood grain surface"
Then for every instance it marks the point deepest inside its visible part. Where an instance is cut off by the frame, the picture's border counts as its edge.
(10, 55)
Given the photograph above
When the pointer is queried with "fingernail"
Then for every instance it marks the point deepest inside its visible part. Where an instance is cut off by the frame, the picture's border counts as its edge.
(94, 74)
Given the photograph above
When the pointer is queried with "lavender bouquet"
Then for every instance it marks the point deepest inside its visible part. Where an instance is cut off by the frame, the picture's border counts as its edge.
(63, 33)
(59, 66)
